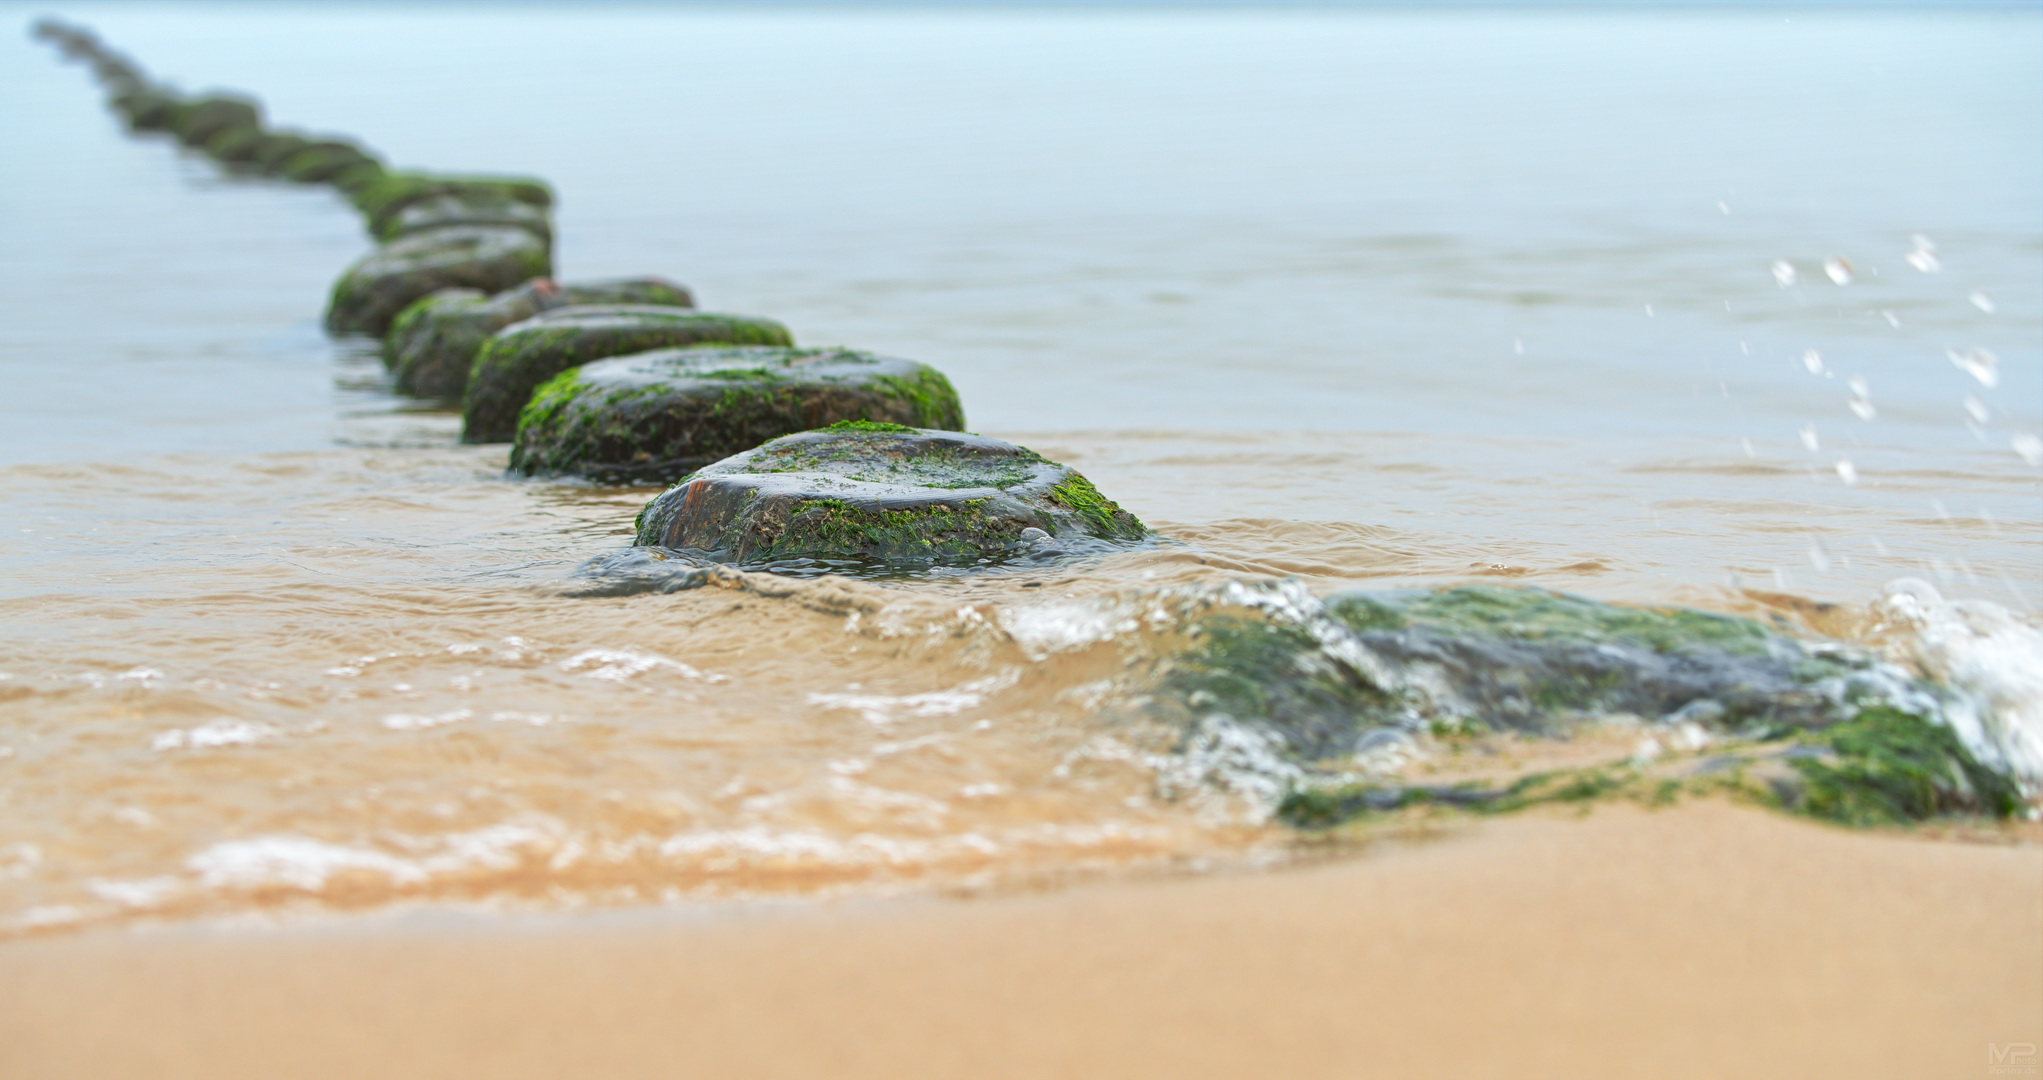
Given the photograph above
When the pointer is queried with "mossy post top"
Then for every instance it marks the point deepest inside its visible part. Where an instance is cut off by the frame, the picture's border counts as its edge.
(860, 490)
(380, 202)
(723, 364)
(891, 465)
(595, 317)
(517, 359)
(651, 417)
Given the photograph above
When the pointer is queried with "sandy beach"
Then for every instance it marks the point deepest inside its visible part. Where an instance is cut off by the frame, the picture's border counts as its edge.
(979, 540)
(1702, 941)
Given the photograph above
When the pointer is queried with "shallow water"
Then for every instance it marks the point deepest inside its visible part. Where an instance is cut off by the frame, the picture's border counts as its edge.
(1359, 297)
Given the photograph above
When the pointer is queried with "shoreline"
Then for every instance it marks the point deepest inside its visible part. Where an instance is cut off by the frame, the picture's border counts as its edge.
(1701, 940)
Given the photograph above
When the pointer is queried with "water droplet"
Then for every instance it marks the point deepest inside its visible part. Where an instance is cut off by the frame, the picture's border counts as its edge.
(1924, 257)
(1862, 408)
(1893, 320)
(1819, 558)
(1978, 363)
(1724, 207)
(1745, 347)
(1838, 269)
(1813, 360)
(1809, 438)
(1783, 273)
(1518, 346)
(1847, 472)
(2029, 446)
(1649, 311)
(1747, 444)
(1977, 408)
(1983, 302)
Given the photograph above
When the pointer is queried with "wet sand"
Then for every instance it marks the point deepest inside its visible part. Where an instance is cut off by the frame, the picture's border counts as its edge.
(1700, 941)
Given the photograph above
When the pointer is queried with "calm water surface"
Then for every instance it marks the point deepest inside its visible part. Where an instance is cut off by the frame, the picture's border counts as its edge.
(1737, 311)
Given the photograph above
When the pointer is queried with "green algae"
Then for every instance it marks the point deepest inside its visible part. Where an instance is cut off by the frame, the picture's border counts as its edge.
(867, 425)
(147, 109)
(357, 176)
(921, 532)
(1826, 731)
(934, 398)
(1325, 808)
(432, 343)
(235, 145)
(1882, 768)
(1541, 616)
(198, 119)
(371, 294)
(938, 468)
(878, 499)
(320, 162)
(277, 146)
(1077, 494)
(550, 400)
(394, 191)
(658, 416)
(511, 365)
(1888, 767)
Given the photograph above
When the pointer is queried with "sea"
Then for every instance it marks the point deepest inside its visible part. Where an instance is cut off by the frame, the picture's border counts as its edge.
(1735, 308)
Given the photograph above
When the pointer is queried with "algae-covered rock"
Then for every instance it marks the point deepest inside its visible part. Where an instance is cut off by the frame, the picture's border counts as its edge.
(387, 280)
(439, 210)
(202, 118)
(359, 175)
(433, 342)
(117, 72)
(149, 108)
(276, 146)
(235, 145)
(394, 191)
(1287, 692)
(865, 493)
(654, 417)
(513, 363)
(1885, 766)
(317, 162)
(1494, 659)
(1882, 766)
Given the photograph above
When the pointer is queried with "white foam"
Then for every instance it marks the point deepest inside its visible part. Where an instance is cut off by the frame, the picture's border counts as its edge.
(300, 862)
(1993, 657)
(37, 918)
(792, 845)
(617, 665)
(145, 893)
(534, 719)
(413, 722)
(19, 860)
(293, 861)
(1045, 629)
(882, 710)
(214, 734)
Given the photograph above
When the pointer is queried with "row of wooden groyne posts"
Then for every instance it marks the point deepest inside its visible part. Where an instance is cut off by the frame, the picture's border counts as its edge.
(779, 455)
(812, 460)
